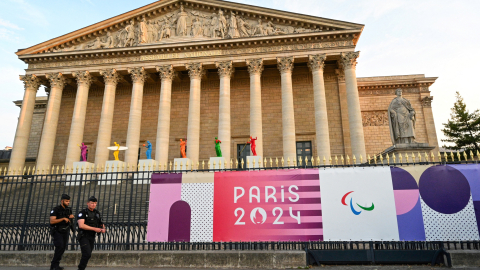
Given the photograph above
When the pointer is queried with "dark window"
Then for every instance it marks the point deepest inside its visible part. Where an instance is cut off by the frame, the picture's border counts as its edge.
(243, 150)
(304, 151)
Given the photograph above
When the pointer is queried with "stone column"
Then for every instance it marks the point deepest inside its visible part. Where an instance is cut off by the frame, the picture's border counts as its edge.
(111, 77)
(195, 70)
(135, 119)
(285, 65)
(20, 144)
(49, 133)
(167, 73)
(84, 80)
(349, 62)
(255, 68)
(342, 93)
(316, 64)
(429, 122)
(225, 70)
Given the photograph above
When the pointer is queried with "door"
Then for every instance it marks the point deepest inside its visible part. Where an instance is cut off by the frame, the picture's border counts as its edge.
(304, 150)
(243, 150)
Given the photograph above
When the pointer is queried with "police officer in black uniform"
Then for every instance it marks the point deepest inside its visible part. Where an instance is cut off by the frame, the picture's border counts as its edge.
(89, 224)
(60, 229)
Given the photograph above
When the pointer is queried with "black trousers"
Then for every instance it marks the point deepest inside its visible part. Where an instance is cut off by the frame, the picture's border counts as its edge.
(60, 241)
(86, 245)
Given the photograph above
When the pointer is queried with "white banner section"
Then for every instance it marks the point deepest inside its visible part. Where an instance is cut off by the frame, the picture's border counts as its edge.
(358, 204)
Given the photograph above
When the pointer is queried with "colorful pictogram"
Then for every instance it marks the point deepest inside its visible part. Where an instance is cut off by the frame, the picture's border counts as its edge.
(354, 211)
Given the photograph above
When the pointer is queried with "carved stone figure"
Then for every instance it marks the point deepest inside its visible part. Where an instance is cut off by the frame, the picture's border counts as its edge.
(233, 28)
(143, 38)
(197, 30)
(222, 23)
(130, 38)
(207, 29)
(108, 43)
(164, 30)
(96, 44)
(152, 31)
(214, 26)
(243, 27)
(258, 30)
(270, 29)
(182, 22)
(401, 120)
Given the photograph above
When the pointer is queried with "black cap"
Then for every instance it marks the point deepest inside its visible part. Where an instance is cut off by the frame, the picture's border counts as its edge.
(92, 199)
(65, 197)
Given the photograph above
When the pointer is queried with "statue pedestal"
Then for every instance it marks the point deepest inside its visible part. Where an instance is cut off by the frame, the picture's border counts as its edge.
(145, 168)
(113, 170)
(407, 148)
(81, 167)
(250, 160)
(217, 161)
(181, 164)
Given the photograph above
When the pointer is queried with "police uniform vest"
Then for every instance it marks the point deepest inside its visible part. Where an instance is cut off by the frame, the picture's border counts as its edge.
(60, 212)
(92, 218)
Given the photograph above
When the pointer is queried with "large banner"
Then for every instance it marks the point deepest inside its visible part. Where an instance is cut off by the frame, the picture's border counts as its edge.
(371, 203)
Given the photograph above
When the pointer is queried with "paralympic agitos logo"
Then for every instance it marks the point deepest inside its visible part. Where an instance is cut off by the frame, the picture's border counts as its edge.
(351, 204)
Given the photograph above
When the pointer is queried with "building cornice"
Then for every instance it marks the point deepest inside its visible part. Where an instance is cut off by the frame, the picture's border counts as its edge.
(389, 82)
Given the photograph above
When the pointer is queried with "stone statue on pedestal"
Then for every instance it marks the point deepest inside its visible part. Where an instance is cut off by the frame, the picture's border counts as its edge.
(115, 154)
(83, 149)
(402, 119)
(253, 145)
(149, 150)
(183, 144)
(217, 147)
(117, 148)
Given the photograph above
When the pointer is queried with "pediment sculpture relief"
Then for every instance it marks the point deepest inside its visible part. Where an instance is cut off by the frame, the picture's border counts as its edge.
(182, 25)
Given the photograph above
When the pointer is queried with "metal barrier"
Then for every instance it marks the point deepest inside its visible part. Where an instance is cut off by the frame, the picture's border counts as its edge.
(26, 201)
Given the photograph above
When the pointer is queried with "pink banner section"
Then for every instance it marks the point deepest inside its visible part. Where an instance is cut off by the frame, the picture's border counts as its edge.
(267, 206)
(165, 190)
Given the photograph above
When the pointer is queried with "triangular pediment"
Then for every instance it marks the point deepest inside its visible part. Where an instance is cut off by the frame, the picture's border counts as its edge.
(178, 21)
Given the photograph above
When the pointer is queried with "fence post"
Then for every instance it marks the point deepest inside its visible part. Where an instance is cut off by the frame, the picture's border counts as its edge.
(127, 246)
(72, 245)
(22, 234)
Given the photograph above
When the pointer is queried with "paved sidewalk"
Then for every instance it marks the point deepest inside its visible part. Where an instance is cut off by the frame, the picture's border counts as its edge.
(328, 267)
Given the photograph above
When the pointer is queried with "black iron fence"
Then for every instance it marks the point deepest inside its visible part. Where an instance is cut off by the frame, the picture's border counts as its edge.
(26, 202)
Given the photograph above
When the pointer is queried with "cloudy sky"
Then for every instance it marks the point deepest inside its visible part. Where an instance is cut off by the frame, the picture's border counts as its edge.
(438, 38)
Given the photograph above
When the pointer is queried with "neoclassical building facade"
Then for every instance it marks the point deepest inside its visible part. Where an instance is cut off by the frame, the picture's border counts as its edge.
(196, 70)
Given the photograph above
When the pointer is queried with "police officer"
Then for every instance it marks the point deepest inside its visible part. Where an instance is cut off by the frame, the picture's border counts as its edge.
(60, 229)
(89, 224)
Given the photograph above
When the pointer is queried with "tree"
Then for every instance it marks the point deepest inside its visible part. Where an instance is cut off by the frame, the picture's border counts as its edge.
(463, 128)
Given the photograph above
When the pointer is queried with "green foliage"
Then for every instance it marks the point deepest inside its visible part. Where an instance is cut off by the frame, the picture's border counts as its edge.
(463, 128)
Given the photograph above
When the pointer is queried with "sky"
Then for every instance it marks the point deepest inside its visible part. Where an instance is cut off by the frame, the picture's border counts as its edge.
(438, 38)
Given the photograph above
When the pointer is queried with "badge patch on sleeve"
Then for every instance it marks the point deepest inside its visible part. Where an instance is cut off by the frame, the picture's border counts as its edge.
(79, 215)
(51, 212)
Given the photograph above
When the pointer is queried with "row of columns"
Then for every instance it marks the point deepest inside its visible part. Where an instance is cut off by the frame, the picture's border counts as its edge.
(167, 74)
